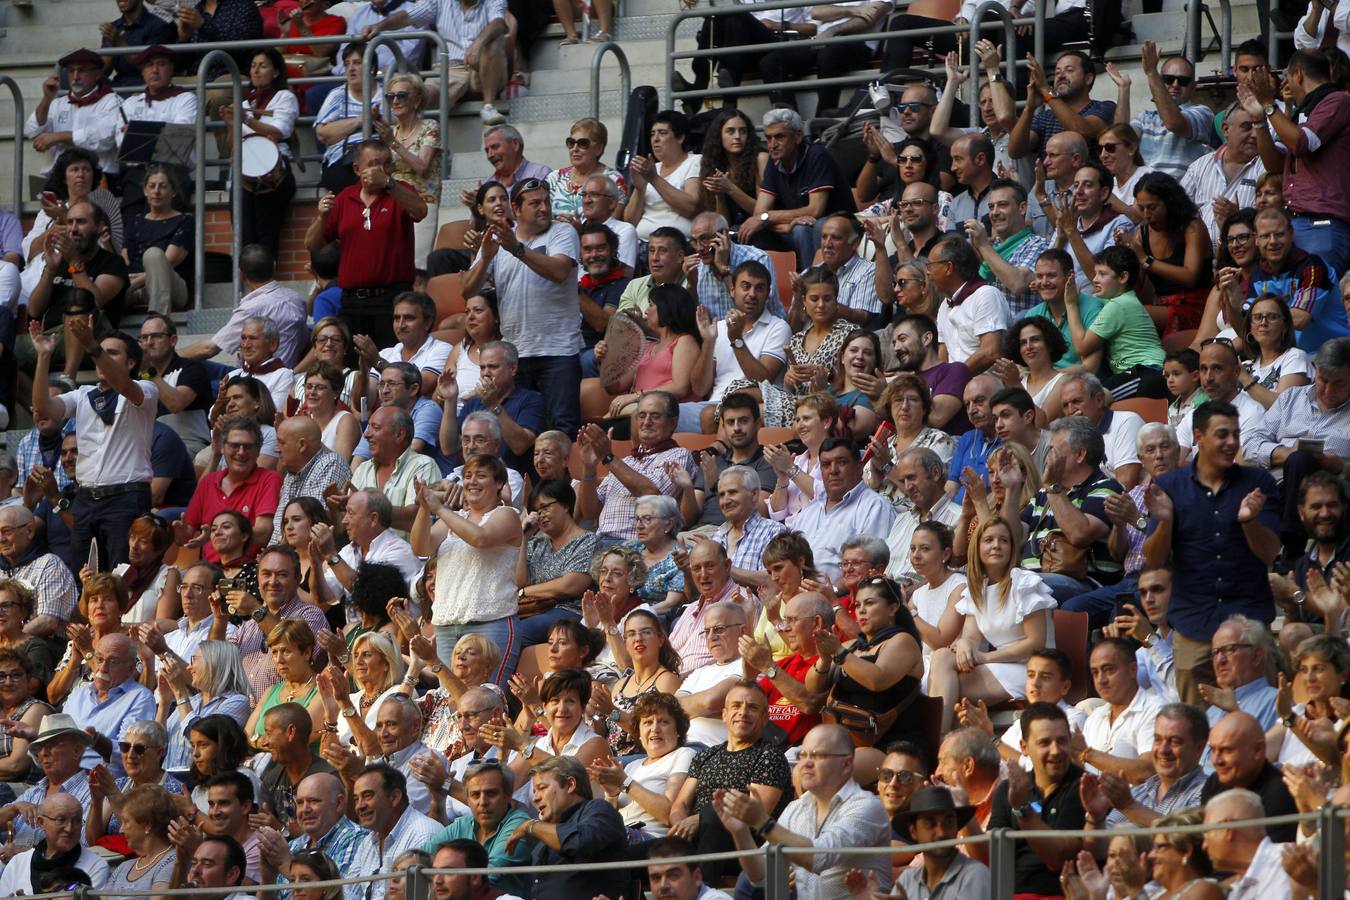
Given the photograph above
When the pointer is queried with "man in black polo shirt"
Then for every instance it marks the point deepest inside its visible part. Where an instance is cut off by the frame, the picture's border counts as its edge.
(802, 185)
(1048, 800)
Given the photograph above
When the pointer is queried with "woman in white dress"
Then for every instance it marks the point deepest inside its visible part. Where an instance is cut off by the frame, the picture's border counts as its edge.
(1274, 364)
(1035, 344)
(933, 602)
(1322, 665)
(1007, 616)
(339, 429)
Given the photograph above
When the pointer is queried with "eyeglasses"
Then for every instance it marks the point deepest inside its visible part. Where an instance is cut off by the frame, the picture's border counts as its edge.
(1228, 342)
(147, 338)
(594, 195)
(903, 283)
(100, 659)
(60, 821)
(398, 96)
(476, 714)
(1230, 649)
(580, 143)
(815, 756)
(1108, 146)
(330, 339)
(912, 106)
(1183, 80)
(194, 589)
(718, 630)
(8, 531)
(911, 204)
(13, 676)
(1263, 318)
(905, 776)
(1244, 237)
(237, 446)
(643, 520)
(639, 634)
(785, 623)
(529, 184)
(138, 749)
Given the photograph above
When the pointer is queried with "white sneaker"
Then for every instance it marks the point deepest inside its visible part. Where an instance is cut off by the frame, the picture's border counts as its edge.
(490, 115)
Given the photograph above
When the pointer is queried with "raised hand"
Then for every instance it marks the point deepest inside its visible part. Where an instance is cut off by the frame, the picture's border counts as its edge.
(974, 715)
(1252, 505)
(1120, 78)
(43, 343)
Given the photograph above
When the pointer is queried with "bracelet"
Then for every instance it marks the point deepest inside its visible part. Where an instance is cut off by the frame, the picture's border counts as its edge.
(75, 267)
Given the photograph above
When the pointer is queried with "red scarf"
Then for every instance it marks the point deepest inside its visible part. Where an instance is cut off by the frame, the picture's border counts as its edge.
(258, 98)
(270, 366)
(614, 274)
(966, 290)
(165, 94)
(137, 580)
(101, 90)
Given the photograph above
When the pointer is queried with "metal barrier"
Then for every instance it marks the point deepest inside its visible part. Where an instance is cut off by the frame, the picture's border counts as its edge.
(625, 75)
(402, 65)
(973, 28)
(19, 120)
(236, 180)
(1330, 841)
(1009, 39)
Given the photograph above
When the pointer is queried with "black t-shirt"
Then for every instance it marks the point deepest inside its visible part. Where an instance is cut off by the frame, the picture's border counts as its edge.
(177, 231)
(1275, 800)
(169, 459)
(1061, 810)
(718, 767)
(63, 287)
(816, 170)
(191, 374)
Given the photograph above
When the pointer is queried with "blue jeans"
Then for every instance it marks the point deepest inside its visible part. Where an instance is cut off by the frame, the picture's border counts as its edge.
(505, 633)
(1099, 603)
(589, 367)
(558, 378)
(1065, 587)
(1325, 237)
(536, 628)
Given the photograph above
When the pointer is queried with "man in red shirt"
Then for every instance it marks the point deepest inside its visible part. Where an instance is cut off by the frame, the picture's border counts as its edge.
(374, 220)
(792, 707)
(241, 485)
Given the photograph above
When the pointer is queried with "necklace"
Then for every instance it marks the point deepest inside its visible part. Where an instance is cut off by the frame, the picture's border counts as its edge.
(144, 864)
(296, 692)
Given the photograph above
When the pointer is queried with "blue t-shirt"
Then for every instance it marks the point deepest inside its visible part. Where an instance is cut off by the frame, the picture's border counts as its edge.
(328, 302)
(973, 450)
(169, 459)
(526, 409)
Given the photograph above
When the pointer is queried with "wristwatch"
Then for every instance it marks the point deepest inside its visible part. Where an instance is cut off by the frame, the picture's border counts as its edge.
(1288, 721)
(528, 751)
(1299, 597)
(349, 712)
(838, 658)
(738, 344)
(607, 458)
(519, 252)
(771, 672)
(496, 410)
(1141, 523)
(1148, 261)
(1054, 488)
(627, 783)
(258, 614)
(613, 629)
(63, 504)
(437, 669)
(1269, 110)
(334, 559)
(764, 217)
(95, 351)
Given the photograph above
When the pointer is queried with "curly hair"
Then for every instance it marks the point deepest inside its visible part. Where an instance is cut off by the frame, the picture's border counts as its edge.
(1055, 345)
(1181, 210)
(655, 703)
(744, 170)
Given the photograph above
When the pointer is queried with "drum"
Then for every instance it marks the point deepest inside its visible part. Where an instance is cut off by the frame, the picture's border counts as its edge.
(262, 165)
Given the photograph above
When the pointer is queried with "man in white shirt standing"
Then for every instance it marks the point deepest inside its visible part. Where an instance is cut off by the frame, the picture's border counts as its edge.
(972, 320)
(1258, 861)
(87, 116)
(116, 418)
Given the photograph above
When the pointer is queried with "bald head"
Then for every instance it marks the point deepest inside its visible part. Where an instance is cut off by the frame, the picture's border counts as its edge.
(302, 428)
(833, 739)
(323, 785)
(1238, 726)
(62, 805)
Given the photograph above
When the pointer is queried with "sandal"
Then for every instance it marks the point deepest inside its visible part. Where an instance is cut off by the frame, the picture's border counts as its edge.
(569, 41)
(600, 37)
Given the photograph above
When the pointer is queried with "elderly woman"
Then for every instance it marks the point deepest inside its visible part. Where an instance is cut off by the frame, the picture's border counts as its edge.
(552, 449)
(377, 669)
(146, 814)
(18, 683)
(339, 429)
(330, 341)
(657, 519)
(416, 144)
(644, 790)
(906, 404)
(1322, 669)
(292, 645)
(473, 661)
(102, 604)
(554, 561)
(585, 145)
(665, 185)
(1178, 861)
(152, 584)
(143, 747)
(212, 684)
(17, 604)
(477, 545)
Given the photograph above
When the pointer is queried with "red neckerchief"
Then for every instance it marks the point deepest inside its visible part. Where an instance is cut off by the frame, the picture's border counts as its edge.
(639, 451)
(258, 98)
(966, 290)
(1107, 216)
(268, 367)
(166, 94)
(614, 274)
(101, 90)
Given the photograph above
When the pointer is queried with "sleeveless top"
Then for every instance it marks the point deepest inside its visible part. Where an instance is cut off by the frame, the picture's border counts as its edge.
(273, 698)
(467, 374)
(846, 690)
(330, 431)
(474, 585)
(1163, 285)
(657, 367)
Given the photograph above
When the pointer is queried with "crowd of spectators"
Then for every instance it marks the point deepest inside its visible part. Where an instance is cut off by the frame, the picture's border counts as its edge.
(992, 480)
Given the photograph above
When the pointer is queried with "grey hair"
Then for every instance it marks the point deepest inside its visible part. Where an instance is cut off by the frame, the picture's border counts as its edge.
(1258, 635)
(663, 507)
(734, 609)
(400, 420)
(878, 552)
(557, 437)
(223, 669)
(495, 699)
(1082, 435)
(1249, 802)
(378, 502)
(1333, 355)
(1152, 430)
(508, 776)
(1091, 383)
(719, 221)
(972, 743)
(507, 131)
(748, 477)
(493, 423)
(509, 352)
(611, 188)
(1076, 143)
(787, 117)
(269, 327)
(151, 730)
(925, 457)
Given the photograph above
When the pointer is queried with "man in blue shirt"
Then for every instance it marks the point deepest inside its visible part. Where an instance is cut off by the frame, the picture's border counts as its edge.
(519, 410)
(111, 700)
(975, 446)
(1219, 522)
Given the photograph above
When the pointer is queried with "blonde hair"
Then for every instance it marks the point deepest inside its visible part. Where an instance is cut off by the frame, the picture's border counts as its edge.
(396, 669)
(415, 83)
(976, 577)
(594, 128)
(487, 648)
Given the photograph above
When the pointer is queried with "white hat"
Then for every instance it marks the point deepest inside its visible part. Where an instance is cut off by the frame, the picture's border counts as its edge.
(58, 725)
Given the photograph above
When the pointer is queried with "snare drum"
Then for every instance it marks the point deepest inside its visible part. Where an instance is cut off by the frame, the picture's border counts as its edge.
(263, 167)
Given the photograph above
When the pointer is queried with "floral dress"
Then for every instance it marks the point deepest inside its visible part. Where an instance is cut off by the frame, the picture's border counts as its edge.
(428, 186)
(566, 197)
(662, 577)
(780, 409)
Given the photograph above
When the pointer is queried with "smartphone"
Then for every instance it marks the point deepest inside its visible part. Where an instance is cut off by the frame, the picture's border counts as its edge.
(1310, 445)
(1118, 604)
(50, 198)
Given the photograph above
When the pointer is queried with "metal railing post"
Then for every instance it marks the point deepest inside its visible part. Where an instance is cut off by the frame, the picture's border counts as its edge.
(19, 120)
(1038, 39)
(400, 64)
(1193, 11)
(1225, 34)
(236, 175)
(418, 886)
(1331, 846)
(1002, 854)
(775, 873)
(625, 75)
(1009, 36)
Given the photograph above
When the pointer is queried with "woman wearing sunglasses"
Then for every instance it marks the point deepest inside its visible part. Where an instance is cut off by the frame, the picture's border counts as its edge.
(1118, 150)
(416, 145)
(585, 145)
(142, 747)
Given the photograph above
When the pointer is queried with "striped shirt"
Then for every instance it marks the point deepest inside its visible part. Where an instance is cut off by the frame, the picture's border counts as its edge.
(1023, 256)
(1184, 794)
(460, 25)
(1295, 416)
(755, 536)
(52, 584)
(716, 298)
(1167, 151)
(619, 506)
(374, 854)
(340, 845)
(1089, 497)
(858, 285)
(1206, 178)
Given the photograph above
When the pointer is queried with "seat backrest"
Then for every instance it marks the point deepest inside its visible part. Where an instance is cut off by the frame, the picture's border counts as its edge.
(1179, 340)
(1071, 636)
(1147, 408)
(448, 292)
(784, 265)
(450, 236)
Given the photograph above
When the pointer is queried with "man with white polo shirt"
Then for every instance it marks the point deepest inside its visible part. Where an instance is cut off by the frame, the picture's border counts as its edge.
(414, 320)
(972, 320)
(1118, 735)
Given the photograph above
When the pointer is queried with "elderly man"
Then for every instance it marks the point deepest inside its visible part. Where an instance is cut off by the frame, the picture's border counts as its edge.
(111, 700)
(481, 432)
(746, 762)
(259, 340)
(968, 762)
(1218, 523)
(703, 694)
(398, 728)
(1067, 106)
(22, 557)
(801, 182)
(1298, 276)
(1083, 394)
(287, 728)
(709, 573)
(392, 826)
(518, 411)
(320, 811)
(922, 479)
(493, 819)
(933, 815)
(475, 40)
(61, 816)
(847, 506)
(1010, 248)
(1179, 735)
(1237, 753)
(601, 198)
(161, 101)
(393, 466)
(915, 344)
(974, 447)
(832, 813)
(267, 298)
(793, 707)
(972, 319)
(279, 585)
(400, 387)
(58, 745)
(1220, 370)
(666, 264)
(536, 279)
(1240, 649)
(1177, 130)
(504, 149)
(744, 533)
(86, 116)
(711, 269)
(1255, 858)
(640, 474)
(242, 485)
(863, 285)
(1065, 153)
(1072, 501)
(367, 521)
(312, 469)
(1118, 735)
(1224, 181)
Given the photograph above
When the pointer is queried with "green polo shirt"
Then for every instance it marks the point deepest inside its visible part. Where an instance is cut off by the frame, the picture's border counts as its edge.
(466, 827)
(1088, 307)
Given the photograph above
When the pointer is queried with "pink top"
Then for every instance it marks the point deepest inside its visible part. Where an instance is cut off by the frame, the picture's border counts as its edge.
(656, 367)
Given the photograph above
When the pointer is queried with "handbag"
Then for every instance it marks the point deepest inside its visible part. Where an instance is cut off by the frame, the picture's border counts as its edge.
(1058, 555)
(864, 726)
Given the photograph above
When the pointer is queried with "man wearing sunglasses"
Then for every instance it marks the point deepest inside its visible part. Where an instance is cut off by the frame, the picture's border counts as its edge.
(1177, 130)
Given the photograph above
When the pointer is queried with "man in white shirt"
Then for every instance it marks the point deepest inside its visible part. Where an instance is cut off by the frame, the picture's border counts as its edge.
(266, 298)
(1219, 368)
(846, 507)
(972, 320)
(1225, 180)
(368, 521)
(380, 801)
(87, 116)
(923, 479)
(704, 690)
(1118, 735)
(1258, 862)
(258, 341)
(1082, 394)
(414, 320)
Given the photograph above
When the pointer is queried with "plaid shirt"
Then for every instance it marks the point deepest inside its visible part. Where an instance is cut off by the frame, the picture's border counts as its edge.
(755, 536)
(375, 855)
(619, 507)
(858, 285)
(340, 845)
(713, 293)
(1206, 179)
(1295, 415)
(1185, 794)
(29, 454)
(1023, 256)
(325, 468)
(52, 584)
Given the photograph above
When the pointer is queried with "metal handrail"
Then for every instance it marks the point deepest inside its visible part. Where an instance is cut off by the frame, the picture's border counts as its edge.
(977, 24)
(672, 55)
(19, 120)
(401, 64)
(625, 75)
(236, 180)
(1226, 34)
(1193, 30)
